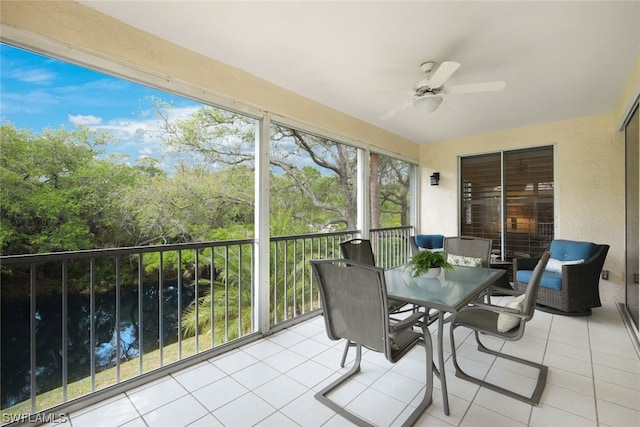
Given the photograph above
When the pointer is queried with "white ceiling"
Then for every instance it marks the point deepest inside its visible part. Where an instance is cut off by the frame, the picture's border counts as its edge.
(560, 60)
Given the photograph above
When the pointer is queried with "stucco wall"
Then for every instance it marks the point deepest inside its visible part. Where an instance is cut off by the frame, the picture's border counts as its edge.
(589, 183)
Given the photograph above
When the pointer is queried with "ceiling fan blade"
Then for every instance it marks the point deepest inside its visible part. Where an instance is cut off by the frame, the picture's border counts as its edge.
(476, 87)
(444, 71)
(403, 92)
(396, 110)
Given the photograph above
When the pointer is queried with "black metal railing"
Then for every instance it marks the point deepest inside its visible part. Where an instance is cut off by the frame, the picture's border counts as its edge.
(74, 323)
(391, 245)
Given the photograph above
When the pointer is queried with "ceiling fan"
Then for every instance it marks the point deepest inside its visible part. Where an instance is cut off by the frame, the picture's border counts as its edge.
(427, 93)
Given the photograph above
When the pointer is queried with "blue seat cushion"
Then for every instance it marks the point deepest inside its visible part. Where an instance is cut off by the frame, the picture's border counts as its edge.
(549, 280)
(429, 241)
(569, 250)
(563, 251)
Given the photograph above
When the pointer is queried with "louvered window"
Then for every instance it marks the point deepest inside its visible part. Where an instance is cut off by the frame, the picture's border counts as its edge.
(508, 197)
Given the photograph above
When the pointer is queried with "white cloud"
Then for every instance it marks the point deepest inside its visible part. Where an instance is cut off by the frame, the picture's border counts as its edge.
(32, 75)
(33, 102)
(84, 120)
(139, 138)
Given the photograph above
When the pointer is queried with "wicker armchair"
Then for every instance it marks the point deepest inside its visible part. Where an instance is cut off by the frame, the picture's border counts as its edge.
(579, 290)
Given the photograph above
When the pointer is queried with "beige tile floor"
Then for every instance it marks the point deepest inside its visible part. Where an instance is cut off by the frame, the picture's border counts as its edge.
(594, 380)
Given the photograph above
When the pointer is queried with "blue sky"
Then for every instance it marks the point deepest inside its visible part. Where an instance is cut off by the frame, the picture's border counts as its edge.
(37, 92)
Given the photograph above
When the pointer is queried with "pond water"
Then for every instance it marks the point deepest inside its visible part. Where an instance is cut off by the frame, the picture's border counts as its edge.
(15, 343)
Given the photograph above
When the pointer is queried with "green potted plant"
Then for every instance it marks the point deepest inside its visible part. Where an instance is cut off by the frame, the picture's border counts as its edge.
(428, 263)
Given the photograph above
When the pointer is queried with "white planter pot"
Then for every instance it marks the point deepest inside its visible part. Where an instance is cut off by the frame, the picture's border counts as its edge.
(432, 272)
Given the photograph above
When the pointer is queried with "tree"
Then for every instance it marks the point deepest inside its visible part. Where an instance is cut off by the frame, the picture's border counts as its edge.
(191, 205)
(222, 138)
(291, 147)
(56, 193)
(393, 184)
(374, 189)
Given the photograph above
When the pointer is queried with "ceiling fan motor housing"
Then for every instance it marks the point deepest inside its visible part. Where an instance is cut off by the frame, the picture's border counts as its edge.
(422, 88)
(427, 67)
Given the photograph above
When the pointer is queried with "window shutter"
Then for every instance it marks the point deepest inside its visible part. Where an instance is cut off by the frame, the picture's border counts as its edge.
(527, 200)
(481, 202)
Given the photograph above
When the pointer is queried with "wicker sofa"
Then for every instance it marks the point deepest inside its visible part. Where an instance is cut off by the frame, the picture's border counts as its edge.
(570, 285)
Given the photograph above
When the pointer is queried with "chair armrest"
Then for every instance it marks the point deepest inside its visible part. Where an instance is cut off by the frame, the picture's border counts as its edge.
(505, 291)
(499, 309)
(580, 277)
(524, 264)
(580, 282)
(406, 323)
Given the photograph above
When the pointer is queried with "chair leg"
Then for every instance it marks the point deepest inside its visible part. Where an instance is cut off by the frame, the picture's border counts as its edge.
(345, 352)
(417, 412)
(428, 391)
(322, 394)
(534, 399)
(440, 371)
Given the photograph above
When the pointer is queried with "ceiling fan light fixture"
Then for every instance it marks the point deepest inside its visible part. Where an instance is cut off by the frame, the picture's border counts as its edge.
(428, 104)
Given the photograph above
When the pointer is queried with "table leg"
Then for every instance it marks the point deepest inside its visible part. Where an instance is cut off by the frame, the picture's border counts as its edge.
(443, 378)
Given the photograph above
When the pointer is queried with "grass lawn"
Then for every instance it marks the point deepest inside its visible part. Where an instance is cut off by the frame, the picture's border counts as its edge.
(108, 377)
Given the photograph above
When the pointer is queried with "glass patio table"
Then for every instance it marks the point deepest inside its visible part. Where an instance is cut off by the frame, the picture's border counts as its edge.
(447, 293)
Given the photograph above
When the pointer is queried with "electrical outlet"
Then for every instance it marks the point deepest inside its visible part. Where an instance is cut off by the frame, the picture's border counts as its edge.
(605, 274)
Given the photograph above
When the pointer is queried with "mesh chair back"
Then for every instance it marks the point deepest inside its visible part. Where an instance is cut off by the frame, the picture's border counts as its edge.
(354, 300)
(531, 293)
(476, 247)
(359, 250)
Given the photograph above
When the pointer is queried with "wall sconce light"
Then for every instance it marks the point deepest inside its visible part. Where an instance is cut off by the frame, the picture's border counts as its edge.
(435, 178)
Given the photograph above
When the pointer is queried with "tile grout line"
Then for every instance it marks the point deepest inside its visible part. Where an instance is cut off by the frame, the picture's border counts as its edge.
(544, 356)
(593, 373)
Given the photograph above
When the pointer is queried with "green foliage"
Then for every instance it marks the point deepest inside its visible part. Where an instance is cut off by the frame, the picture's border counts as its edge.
(60, 192)
(232, 299)
(192, 204)
(393, 184)
(218, 137)
(56, 194)
(293, 212)
(327, 187)
(422, 261)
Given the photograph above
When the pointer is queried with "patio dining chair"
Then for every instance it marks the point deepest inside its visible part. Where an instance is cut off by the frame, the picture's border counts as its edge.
(360, 250)
(506, 322)
(355, 308)
(469, 251)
